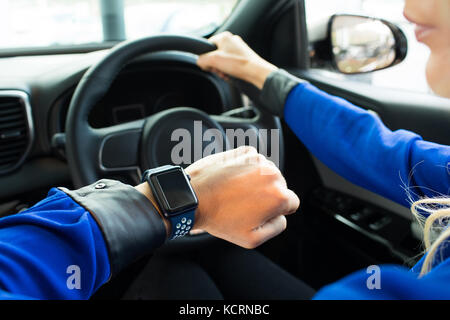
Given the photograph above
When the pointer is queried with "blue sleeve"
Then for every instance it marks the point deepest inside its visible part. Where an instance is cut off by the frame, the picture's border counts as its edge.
(394, 282)
(357, 145)
(54, 250)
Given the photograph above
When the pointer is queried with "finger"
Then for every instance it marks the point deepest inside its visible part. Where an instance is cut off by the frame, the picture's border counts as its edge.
(210, 60)
(281, 182)
(204, 61)
(268, 230)
(246, 150)
(222, 75)
(217, 38)
(292, 202)
(219, 73)
(267, 167)
(285, 202)
(221, 61)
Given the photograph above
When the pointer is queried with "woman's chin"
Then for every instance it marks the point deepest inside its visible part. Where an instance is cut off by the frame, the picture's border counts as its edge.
(438, 74)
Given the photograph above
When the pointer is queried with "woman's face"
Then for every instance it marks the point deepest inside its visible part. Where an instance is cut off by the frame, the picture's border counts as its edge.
(432, 18)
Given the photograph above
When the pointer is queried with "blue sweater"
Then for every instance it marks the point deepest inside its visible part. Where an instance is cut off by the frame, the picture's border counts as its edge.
(55, 250)
(357, 145)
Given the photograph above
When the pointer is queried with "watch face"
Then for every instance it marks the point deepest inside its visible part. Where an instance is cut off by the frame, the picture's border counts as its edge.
(175, 191)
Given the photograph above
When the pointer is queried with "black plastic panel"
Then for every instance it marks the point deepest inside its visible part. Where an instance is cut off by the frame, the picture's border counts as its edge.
(386, 228)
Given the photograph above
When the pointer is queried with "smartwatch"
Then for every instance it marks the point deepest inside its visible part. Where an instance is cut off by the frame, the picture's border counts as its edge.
(175, 197)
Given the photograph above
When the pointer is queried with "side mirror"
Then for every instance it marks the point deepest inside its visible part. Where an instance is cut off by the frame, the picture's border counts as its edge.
(362, 44)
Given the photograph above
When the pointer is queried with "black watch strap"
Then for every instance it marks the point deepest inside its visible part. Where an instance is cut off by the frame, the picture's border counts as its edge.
(182, 223)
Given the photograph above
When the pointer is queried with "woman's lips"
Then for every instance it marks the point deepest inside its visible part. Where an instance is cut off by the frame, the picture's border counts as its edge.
(423, 32)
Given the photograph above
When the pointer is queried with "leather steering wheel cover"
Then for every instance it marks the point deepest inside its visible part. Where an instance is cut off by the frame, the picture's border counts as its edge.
(81, 148)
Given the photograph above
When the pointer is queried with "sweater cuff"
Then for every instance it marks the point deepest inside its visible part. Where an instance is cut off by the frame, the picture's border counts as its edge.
(130, 224)
(276, 89)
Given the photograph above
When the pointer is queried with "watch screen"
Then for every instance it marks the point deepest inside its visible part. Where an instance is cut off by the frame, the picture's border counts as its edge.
(176, 189)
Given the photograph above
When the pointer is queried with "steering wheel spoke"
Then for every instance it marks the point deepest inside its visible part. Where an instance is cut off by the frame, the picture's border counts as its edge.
(250, 126)
(118, 147)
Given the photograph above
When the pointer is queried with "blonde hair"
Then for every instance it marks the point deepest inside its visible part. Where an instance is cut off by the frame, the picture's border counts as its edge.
(433, 216)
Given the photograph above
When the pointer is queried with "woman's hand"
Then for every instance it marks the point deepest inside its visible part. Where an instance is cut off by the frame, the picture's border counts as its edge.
(235, 58)
(243, 198)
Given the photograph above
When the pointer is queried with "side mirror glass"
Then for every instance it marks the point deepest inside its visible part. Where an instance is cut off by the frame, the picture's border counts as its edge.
(361, 44)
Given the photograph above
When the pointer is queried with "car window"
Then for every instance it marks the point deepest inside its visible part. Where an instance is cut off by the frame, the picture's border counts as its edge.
(409, 74)
(44, 23)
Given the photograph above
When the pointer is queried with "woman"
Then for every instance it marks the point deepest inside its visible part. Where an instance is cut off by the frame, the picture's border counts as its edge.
(358, 146)
(71, 243)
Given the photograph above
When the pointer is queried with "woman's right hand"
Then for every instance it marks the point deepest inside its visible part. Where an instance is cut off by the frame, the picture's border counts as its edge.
(243, 198)
(235, 58)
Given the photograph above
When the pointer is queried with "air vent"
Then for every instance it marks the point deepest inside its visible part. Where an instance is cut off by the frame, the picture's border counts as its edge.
(16, 130)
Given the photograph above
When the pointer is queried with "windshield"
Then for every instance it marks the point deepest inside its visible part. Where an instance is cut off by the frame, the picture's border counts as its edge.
(48, 23)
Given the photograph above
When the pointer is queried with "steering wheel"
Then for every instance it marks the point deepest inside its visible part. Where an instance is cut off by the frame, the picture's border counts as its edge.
(95, 153)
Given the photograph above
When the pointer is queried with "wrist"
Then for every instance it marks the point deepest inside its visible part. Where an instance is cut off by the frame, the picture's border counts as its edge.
(258, 71)
(144, 188)
(199, 221)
